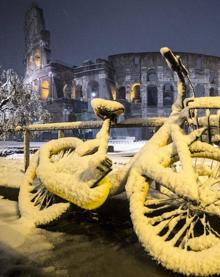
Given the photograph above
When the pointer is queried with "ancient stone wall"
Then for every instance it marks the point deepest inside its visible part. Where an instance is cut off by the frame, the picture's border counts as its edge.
(157, 83)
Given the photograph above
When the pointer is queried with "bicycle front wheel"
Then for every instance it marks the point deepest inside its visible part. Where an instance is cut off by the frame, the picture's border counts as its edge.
(176, 232)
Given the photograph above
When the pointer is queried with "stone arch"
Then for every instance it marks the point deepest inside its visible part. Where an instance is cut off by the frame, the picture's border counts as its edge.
(213, 92)
(44, 93)
(37, 57)
(92, 90)
(135, 93)
(200, 90)
(152, 96)
(151, 75)
(121, 93)
(168, 96)
(113, 91)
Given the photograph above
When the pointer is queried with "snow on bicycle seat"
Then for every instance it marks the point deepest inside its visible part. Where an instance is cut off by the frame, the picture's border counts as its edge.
(107, 108)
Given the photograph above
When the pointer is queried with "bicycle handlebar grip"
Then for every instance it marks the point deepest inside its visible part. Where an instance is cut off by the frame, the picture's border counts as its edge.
(170, 58)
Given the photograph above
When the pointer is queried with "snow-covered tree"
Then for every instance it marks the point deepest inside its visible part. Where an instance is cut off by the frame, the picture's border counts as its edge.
(19, 105)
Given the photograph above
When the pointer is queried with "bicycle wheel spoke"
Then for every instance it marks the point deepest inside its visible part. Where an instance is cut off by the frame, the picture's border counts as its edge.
(189, 234)
(180, 233)
(166, 215)
(162, 207)
(212, 230)
(38, 196)
(42, 199)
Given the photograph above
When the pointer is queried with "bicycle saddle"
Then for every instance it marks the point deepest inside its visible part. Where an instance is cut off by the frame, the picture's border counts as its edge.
(107, 108)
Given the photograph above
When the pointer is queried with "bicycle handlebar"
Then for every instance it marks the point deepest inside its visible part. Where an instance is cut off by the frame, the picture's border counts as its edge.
(174, 62)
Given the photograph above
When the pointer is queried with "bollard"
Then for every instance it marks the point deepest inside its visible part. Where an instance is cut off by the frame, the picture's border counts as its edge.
(26, 149)
(61, 134)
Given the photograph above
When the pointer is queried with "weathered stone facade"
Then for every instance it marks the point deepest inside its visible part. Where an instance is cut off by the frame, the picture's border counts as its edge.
(142, 81)
(146, 79)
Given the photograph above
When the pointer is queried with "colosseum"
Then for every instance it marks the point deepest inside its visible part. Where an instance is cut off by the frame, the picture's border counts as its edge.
(142, 81)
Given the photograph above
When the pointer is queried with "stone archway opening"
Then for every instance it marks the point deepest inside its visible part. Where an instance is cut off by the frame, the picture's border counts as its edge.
(121, 93)
(135, 93)
(213, 92)
(44, 94)
(114, 92)
(152, 96)
(37, 57)
(168, 96)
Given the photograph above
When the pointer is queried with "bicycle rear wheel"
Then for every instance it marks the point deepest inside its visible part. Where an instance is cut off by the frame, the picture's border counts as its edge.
(50, 185)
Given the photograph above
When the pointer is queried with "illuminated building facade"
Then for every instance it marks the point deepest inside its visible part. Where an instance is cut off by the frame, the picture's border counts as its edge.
(142, 81)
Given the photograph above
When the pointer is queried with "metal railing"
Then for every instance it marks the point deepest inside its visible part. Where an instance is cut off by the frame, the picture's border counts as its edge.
(62, 126)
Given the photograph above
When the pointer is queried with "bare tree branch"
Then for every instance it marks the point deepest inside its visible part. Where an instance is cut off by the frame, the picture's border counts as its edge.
(19, 105)
(4, 101)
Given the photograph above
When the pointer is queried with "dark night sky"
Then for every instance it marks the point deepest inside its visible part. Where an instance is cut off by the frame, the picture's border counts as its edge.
(90, 29)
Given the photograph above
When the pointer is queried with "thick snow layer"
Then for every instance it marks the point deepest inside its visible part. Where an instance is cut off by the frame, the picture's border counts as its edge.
(11, 171)
(24, 250)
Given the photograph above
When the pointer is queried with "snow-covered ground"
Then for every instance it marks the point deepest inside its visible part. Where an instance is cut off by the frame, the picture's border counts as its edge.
(4, 144)
(11, 171)
(124, 148)
(24, 251)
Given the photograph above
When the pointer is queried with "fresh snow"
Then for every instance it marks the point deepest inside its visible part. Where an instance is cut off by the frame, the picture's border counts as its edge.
(11, 171)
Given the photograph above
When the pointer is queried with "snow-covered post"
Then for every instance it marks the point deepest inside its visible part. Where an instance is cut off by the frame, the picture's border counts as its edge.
(61, 134)
(26, 148)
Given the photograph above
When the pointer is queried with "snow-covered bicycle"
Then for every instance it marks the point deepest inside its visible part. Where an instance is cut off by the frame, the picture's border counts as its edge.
(173, 183)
